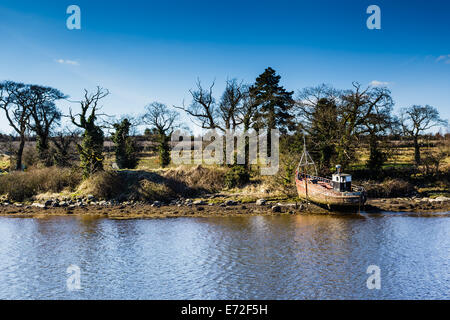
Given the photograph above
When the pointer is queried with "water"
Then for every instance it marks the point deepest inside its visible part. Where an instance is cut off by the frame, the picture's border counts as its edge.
(285, 257)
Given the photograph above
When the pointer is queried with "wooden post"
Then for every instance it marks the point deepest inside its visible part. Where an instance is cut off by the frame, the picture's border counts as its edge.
(306, 187)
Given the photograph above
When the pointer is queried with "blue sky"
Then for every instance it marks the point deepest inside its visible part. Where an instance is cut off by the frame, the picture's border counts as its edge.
(145, 51)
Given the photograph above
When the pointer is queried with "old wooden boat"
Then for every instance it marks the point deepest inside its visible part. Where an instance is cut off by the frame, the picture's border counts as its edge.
(337, 192)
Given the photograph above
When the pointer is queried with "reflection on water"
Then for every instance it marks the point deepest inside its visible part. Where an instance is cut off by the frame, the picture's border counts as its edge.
(285, 257)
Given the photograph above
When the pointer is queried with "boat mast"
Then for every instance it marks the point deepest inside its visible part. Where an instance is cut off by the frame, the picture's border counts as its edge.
(306, 161)
(306, 179)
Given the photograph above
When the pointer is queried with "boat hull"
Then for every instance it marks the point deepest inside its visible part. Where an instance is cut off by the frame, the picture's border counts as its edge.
(318, 194)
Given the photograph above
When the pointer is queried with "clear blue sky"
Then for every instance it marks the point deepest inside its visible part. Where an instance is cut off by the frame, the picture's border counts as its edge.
(144, 51)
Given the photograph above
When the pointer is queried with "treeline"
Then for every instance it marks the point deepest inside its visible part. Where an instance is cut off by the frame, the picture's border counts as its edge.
(333, 121)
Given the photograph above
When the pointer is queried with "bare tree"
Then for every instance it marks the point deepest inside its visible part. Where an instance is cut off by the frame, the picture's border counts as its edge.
(45, 115)
(317, 115)
(248, 109)
(230, 104)
(356, 107)
(307, 102)
(207, 113)
(416, 120)
(164, 121)
(14, 100)
(203, 107)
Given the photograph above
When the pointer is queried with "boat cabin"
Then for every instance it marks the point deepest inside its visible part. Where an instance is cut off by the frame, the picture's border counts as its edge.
(342, 182)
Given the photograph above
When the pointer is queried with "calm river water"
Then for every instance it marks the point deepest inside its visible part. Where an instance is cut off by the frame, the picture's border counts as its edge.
(285, 257)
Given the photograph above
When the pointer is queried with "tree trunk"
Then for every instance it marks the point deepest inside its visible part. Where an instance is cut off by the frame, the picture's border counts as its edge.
(20, 153)
(43, 150)
(417, 151)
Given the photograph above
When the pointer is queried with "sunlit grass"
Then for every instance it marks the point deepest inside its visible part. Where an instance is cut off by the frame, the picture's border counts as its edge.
(5, 163)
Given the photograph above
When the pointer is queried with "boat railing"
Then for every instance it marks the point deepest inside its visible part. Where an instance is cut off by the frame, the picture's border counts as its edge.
(355, 188)
(314, 177)
(358, 189)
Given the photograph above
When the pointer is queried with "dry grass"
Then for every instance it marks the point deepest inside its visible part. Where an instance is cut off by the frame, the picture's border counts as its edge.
(404, 155)
(151, 191)
(389, 188)
(159, 185)
(203, 178)
(20, 186)
(103, 185)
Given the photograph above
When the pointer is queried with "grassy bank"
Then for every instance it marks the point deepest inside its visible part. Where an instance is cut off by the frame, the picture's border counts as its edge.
(136, 185)
(398, 178)
(182, 182)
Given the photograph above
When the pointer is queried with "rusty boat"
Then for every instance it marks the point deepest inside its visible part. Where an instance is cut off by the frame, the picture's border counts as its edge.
(335, 193)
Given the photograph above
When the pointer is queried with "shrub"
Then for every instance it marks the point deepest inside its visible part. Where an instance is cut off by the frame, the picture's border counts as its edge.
(238, 176)
(125, 146)
(164, 151)
(283, 181)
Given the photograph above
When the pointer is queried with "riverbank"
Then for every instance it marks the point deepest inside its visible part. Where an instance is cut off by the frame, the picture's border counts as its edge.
(438, 204)
(208, 207)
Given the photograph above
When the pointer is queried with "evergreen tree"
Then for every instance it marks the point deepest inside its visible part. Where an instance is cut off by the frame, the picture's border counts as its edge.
(273, 100)
(274, 104)
(125, 146)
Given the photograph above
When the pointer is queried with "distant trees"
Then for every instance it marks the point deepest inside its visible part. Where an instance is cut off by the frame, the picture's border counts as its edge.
(91, 147)
(417, 119)
(164, 121)
(125, 145)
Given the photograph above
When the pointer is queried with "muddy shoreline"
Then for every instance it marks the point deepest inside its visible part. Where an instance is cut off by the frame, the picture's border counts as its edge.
(201, 208)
